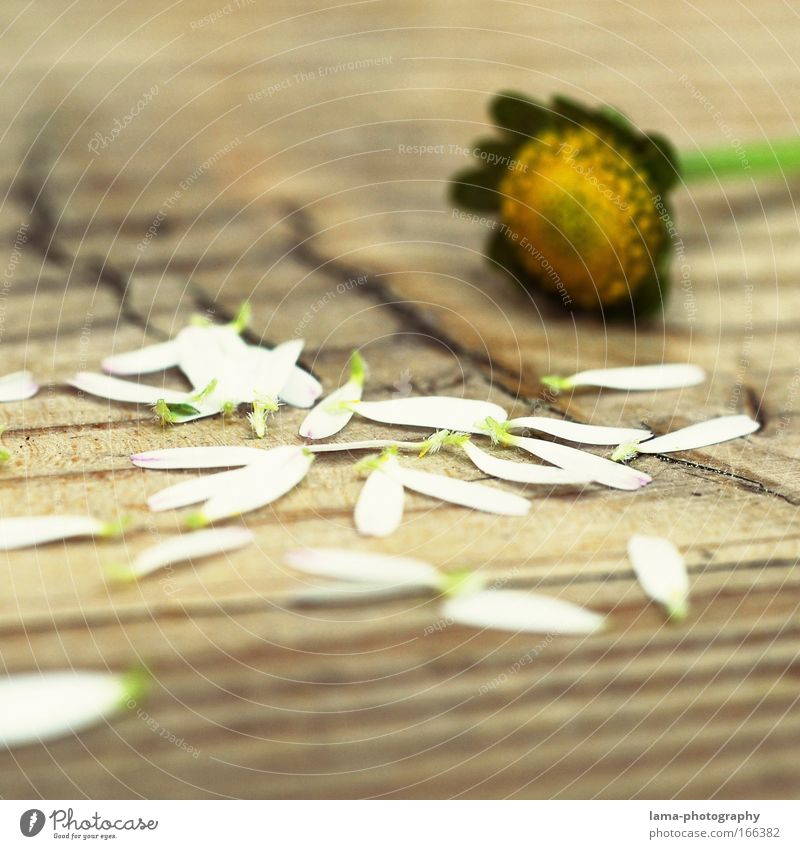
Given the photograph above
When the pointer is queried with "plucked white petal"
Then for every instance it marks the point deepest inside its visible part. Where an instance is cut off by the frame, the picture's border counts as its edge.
(224, 346)
(362, 445)
(17, 386)
(363, 567)
(195, 490)
(465, 493)
(191, 491)
(379, 509)
(575, 432)
(157, 357)
(43, 706)
(301, 389)
(514, 610)
(243, 373)
(582, 462)
(115, 389)
(641, 378)
(260, 373)
(700, 435)
(522, 472)
(208, 353)
(438, 413)
(204, 457)
(189, 546)
(661, 571)
(258, 485)
(328, 417)
(227, 338)
(284, 359)
(24, 531)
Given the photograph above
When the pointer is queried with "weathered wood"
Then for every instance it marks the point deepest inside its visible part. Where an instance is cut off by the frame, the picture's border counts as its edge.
(271, 163)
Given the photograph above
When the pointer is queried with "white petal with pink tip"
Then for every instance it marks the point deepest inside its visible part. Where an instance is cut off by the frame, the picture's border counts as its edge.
(18, 386)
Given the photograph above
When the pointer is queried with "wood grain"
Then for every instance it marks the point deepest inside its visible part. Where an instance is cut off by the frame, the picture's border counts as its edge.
(271, 164)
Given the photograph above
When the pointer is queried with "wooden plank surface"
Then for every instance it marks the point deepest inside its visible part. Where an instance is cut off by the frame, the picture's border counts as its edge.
(268, 163)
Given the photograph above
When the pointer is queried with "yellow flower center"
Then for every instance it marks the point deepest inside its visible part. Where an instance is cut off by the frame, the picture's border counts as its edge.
(580, 216)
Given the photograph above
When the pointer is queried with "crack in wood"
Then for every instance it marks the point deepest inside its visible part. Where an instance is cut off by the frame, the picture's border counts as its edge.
(753, 402)
(750, 484)
(42, 236)
(409, 317)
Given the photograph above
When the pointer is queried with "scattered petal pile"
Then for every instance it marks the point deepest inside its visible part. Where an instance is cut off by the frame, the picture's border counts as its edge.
(225, 372)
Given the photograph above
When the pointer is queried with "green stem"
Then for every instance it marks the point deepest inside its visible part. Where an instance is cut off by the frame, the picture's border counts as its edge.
(744, 160)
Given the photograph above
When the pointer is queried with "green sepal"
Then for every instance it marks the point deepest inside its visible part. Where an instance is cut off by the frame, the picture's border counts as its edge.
(519, 115)
(500, 252)
(495, 154)
(182, 409)
(616, 117)
(661, 161)
(477, 188)
(171, 413)
(601, 119)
